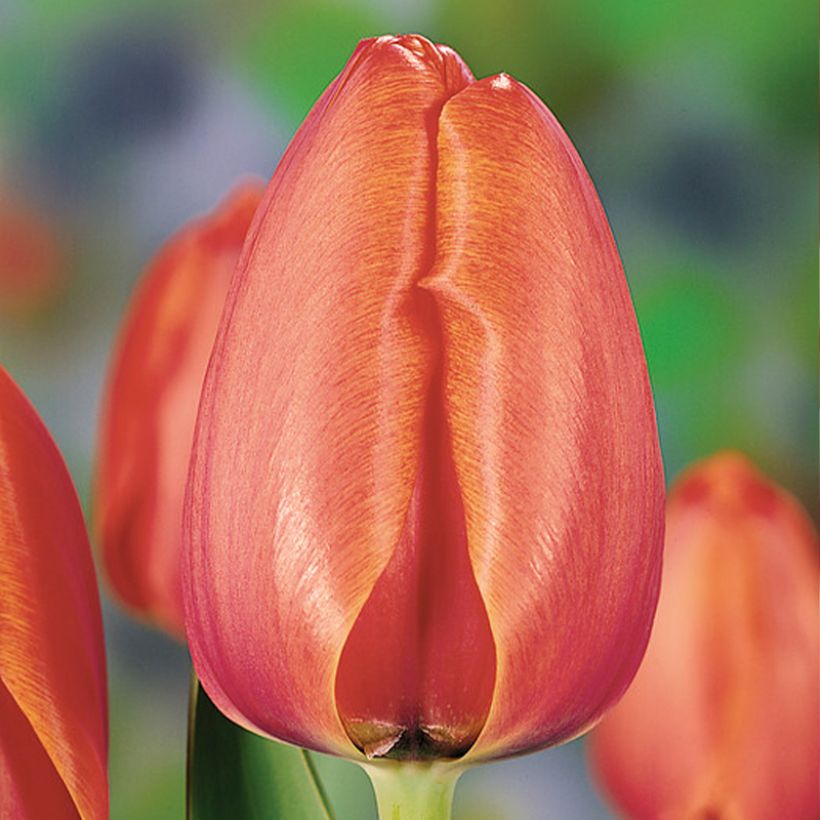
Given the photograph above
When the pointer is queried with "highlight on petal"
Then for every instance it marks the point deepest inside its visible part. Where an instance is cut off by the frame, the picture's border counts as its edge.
(53, 702)
(723, 719)
(150, 407)
(314, 402)
(549, 404)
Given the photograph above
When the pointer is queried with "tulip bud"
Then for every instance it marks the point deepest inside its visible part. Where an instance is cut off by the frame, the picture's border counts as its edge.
(53, 703)
(150, 407)
(722, 718)
(425, 507)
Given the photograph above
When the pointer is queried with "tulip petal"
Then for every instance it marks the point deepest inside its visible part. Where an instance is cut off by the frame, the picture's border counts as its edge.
(151, 404)
(723, 718)
(416, 676)
(553, 429)
(307, 446)
(29, 783)
(53, 707)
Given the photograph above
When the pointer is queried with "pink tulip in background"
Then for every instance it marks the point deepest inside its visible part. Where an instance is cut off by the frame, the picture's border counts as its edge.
(150, 408)
(722, 719)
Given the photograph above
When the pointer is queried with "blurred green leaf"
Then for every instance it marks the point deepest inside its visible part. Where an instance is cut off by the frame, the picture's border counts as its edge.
(764, 46)
(540, 44)
(690, 328)
(571, 53)
(233, 773)
(347, 786)
(295, 51)
(799, 319)
(84, 11)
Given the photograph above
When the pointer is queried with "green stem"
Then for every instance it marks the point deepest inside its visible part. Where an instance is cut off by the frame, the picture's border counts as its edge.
(413, 791)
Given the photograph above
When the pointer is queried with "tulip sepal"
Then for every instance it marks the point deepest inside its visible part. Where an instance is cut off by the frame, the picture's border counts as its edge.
(414, 790)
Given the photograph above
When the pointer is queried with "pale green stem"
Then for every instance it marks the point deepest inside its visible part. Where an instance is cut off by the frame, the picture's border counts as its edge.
(414, 791)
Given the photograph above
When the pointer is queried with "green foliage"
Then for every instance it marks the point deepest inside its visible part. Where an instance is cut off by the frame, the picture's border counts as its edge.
(294, 51)
(234, 773)
(689, 326)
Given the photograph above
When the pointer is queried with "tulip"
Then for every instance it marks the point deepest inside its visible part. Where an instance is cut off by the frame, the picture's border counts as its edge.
(425, 508)
(32, 261)
(53, 703)
(722, 718)
(150, 406)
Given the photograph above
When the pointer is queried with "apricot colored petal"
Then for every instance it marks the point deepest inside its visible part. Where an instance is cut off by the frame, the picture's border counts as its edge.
(151, 404)
(307, 445)
(723, 717)
(551, 416)
(53, 707)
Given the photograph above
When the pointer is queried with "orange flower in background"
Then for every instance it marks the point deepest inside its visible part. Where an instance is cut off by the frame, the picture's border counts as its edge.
(32, 262)
(150, 408)
(425, 509)
(53, 703)
(722, 718)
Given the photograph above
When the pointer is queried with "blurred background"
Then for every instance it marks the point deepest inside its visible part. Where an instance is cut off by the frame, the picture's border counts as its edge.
(121, 120)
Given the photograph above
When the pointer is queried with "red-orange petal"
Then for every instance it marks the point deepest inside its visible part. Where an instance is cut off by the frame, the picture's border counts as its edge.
(307, 447)
(53, 706)
(150, 407)
(415, 679)
(722, 719)
(553, 425)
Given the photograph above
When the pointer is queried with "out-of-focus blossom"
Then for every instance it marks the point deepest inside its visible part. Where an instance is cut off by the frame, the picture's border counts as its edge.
(32, 261)
(722, 718)
(53, 704)
(150, 408)
(425, 510)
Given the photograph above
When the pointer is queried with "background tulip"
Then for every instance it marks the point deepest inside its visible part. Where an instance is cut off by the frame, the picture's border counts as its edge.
(53, 710)
(425, 508)
(33, 263)
(722, 718)
(151, 403)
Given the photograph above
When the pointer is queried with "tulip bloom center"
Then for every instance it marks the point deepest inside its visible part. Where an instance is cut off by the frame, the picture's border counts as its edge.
(416, 675)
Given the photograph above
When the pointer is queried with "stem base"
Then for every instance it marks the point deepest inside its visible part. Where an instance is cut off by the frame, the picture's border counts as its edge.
(413, 791)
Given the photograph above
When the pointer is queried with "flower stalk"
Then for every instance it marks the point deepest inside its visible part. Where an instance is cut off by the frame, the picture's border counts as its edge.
(414, 791)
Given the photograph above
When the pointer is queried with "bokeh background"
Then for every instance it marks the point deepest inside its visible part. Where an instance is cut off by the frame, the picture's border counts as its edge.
(697, 120)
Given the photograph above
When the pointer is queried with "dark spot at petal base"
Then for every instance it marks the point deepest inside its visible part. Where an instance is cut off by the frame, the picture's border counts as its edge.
(382, 740)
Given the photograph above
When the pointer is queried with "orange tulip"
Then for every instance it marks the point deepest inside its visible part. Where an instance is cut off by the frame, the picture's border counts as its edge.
(425, 507)
(32, 261)
(150, 408)
(722, 719)
(53, 709)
